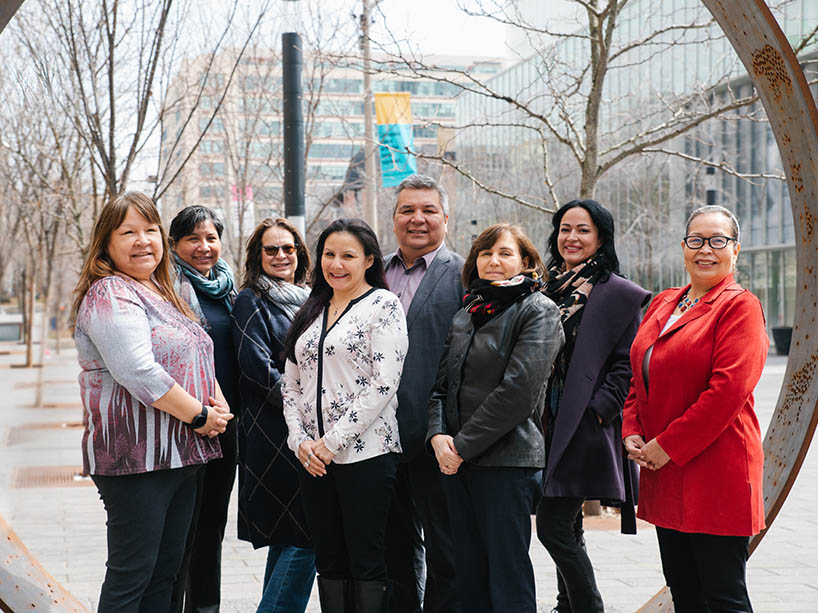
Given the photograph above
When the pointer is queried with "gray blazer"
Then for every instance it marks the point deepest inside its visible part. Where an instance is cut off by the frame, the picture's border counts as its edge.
(430, 315)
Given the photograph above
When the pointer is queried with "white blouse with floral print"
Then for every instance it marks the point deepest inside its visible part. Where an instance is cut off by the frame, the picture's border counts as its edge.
(356, 364)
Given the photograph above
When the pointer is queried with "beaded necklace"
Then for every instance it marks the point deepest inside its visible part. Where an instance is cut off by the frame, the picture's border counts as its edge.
(686, 303)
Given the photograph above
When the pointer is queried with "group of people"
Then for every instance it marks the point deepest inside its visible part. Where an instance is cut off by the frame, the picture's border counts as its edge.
(397, 420)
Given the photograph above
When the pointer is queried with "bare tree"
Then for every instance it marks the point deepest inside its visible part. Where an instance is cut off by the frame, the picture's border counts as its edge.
(35, 173)
(113, 59)
(590, 92)
(239, 150)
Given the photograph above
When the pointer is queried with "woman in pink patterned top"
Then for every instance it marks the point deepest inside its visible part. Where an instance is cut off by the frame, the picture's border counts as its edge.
(152, 404)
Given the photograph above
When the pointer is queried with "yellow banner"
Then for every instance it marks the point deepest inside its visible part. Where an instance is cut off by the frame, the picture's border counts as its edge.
(393, 108)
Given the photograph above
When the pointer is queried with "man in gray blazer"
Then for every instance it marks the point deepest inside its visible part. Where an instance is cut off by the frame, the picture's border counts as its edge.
(425, 275)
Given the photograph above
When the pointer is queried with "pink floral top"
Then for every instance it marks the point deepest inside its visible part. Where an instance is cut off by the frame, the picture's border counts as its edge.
(132, 347)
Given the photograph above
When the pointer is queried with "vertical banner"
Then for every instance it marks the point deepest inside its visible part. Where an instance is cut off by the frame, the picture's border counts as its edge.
(394, 118)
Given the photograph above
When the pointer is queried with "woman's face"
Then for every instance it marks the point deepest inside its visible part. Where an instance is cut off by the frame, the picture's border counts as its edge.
(344, 262)
(135, 247)
(578, 237)
(707, 266)
(279, 257)
(502, 261)
(201, 249)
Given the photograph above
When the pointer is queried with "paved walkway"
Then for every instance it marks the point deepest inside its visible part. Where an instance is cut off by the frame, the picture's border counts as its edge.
(62, 523)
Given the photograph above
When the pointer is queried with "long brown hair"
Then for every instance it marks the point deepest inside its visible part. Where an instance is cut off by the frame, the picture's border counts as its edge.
(98, 264)
(486, 240)
(252, 263)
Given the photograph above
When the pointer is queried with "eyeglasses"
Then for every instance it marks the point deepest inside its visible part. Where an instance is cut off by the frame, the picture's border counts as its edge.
(715, 242)
(272, 250)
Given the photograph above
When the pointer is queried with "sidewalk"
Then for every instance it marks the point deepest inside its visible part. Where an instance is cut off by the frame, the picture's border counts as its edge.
(62, 521)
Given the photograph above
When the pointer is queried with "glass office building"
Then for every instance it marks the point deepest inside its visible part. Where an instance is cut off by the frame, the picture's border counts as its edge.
(677, 73)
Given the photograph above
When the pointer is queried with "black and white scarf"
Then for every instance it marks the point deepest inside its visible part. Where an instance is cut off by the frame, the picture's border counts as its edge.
(570, 288)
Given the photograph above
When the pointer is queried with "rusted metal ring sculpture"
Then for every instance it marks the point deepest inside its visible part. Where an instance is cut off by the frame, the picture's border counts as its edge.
(779, 80)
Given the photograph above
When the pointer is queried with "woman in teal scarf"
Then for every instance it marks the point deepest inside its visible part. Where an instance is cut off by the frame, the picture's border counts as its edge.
(205, 282)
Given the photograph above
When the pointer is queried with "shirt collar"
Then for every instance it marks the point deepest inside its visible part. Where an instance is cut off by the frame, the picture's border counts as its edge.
(427, 258)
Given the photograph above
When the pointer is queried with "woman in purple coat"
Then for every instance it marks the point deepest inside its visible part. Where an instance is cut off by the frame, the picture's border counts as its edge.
(600, 314)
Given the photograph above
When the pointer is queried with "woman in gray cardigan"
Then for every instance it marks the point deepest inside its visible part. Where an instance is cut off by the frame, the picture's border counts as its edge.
(485, 418)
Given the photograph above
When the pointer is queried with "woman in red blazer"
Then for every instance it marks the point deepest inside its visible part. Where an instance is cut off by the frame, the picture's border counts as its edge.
(689, 420)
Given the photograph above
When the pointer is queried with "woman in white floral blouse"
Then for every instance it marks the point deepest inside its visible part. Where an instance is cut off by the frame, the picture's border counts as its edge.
(345, 353)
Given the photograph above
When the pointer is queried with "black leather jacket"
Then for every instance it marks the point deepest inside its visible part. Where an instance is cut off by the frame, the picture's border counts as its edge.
(490, 389)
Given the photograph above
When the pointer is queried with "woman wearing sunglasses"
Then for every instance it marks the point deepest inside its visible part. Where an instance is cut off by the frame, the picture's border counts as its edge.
(689, 420)
(270, 510)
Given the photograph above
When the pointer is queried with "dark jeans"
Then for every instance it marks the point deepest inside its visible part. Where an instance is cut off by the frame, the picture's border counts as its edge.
(491, 510)
(201, 573)
(288, 579)
(148, 519)
(559, 529)
(419, 542)
(705, 572)
(346, 512)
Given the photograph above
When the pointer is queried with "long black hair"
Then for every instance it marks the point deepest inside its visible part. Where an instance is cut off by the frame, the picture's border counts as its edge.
(321, 290)
(604, 222)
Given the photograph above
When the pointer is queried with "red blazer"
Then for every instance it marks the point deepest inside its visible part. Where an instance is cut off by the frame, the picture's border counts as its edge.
(698, 404)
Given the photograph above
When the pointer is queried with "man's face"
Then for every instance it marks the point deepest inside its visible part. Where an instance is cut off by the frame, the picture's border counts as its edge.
(419, 222)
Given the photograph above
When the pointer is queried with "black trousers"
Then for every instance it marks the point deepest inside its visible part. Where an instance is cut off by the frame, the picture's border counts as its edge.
(346, 512)
(491, 510)
(199, 581)
(705, 572)
(559, 529)
(148, 519)
(419, 555)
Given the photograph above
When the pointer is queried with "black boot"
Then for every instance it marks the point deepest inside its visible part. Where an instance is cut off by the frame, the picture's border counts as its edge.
(371, 596)
(332, 594)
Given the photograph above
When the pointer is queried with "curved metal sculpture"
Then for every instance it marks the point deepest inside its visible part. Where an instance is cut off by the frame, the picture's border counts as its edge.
(24, 583)
(779, 80)
(777, 75)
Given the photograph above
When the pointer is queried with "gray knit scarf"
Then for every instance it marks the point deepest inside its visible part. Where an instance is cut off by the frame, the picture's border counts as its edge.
(286, 296)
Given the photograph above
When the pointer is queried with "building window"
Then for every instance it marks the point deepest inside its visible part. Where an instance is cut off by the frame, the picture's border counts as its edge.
(209, 79)
(211, 169)
(212, 146)
(331, 150)
(420, 131)
(216, 126)
(211, 191)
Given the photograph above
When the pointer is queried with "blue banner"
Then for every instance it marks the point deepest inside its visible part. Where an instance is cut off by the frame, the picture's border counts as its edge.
(396, 163)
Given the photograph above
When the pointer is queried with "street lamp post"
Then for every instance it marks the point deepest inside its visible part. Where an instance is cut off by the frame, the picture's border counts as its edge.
(291, 60)
(370, 203)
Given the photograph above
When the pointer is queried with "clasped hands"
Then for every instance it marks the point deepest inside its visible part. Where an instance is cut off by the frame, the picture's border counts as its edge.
(218, 415)
(315, 457)
(446, 454)
(647, 455)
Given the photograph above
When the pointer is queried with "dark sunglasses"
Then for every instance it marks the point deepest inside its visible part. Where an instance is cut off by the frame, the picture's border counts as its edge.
(273, 249)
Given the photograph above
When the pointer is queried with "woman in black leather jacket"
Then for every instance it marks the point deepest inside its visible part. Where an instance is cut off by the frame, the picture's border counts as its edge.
(485, 418)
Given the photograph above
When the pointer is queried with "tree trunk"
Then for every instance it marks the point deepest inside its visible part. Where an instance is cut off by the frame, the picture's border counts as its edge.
(32, 289)
(21, 300)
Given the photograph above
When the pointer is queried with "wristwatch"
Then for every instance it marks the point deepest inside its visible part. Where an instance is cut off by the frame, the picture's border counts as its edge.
(200, 420)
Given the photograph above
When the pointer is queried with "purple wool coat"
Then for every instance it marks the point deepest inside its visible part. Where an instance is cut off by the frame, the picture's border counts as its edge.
(585, 459)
